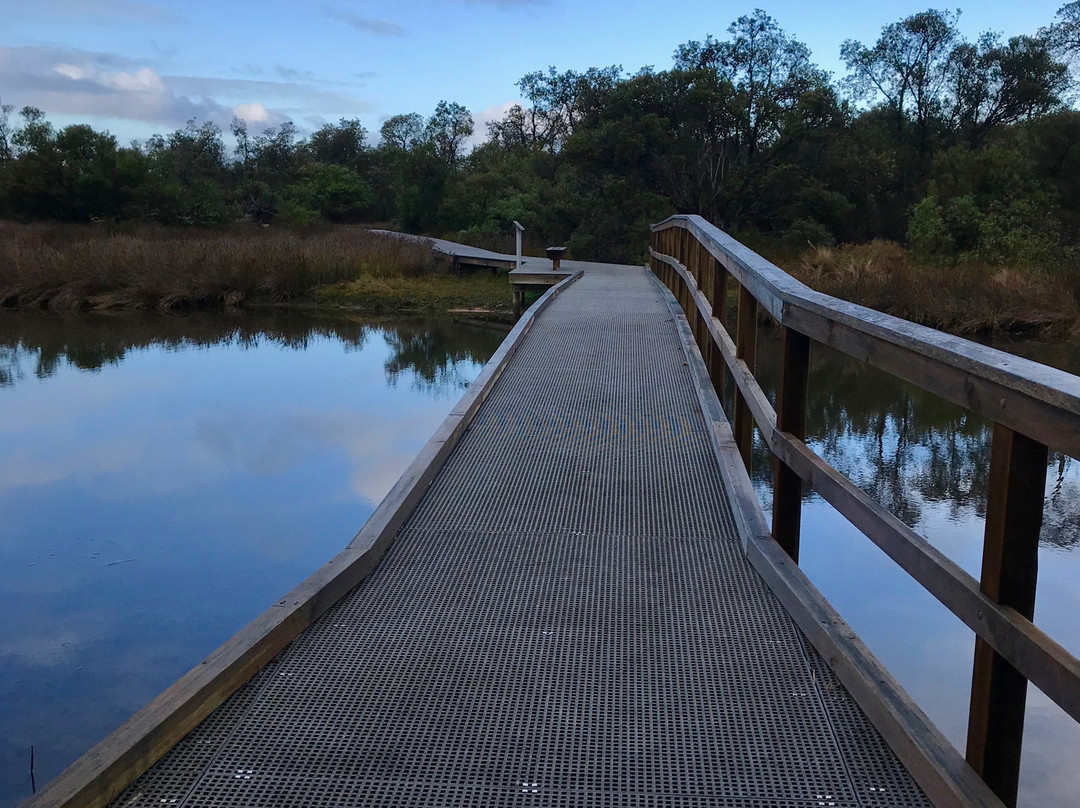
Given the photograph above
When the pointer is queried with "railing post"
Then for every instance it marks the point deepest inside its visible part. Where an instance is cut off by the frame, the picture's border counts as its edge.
(746, 350)
(719, 311)
(790, 418)
(699, 320)
(695, 249)
(1009, 572)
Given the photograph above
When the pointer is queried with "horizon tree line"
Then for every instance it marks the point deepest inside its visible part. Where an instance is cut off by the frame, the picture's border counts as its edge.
(962, 149)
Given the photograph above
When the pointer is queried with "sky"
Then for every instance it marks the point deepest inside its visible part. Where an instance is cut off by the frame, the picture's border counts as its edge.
(137, 67)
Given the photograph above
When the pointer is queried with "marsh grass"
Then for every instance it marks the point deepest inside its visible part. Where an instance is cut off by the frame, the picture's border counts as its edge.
(967, 298)
(67, 268)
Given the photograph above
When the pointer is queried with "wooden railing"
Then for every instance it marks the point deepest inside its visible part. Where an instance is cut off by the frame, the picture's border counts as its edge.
(1032, 407)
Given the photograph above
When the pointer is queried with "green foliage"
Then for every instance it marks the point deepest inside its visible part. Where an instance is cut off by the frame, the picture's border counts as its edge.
(988, 204)
(926, 233)
(964, 147)
(335, 192)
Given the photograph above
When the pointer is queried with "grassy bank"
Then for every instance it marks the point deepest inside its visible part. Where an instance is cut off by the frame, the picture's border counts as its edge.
(71, 268)
(968, 298)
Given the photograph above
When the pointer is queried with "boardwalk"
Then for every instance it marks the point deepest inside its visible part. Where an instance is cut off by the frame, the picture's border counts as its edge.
(567, 618)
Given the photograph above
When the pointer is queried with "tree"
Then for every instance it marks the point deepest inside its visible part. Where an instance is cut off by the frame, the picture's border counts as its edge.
(343, 144)
(1063, 36)
(908, 67)
(447, 129)
(994, 84)
(404, 132)
(335, 192)
(6, 152)
(187, 180)
(767, 70)
(745, 103)
(560, 101)
(989, 203)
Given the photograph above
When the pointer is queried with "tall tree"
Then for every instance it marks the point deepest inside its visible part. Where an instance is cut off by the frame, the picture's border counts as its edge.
(447, 129)
(404, 132)
(909, 67)
(994, 84)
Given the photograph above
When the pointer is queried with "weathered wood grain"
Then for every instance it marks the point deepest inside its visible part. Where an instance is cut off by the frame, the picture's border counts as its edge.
(1032, 399)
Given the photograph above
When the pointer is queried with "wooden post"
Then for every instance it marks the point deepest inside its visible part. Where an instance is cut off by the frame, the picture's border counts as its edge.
(791, 418)
(719, 311)
(719, 298)
(695, 259)
(704, 340)
(699, 320)
(746, 350)
(1009, 572)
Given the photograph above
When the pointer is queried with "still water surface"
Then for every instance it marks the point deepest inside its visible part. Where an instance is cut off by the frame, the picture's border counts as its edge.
(162, 480)
(928, 461)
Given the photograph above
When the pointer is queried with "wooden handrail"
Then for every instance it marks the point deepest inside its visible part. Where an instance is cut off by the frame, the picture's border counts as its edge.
(1035, 400)
(1032, 407)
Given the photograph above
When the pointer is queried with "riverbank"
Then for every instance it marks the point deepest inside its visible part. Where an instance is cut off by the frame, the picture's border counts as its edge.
(968, 298)
(68, 268)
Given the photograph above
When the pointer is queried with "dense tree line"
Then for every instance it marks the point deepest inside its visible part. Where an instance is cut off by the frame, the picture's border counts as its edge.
(959, 148)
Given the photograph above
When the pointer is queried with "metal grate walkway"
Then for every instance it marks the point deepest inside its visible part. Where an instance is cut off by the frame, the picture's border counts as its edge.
(566, 619)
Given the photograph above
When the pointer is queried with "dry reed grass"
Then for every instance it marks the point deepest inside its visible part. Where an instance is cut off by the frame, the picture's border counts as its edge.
(75, 267)
(965, 299)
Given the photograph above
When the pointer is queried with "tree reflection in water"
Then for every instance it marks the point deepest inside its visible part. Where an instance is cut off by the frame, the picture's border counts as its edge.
(907, 448)
(435, 354)
(432, 353)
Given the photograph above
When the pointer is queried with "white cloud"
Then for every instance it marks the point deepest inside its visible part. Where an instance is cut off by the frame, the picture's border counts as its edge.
(252, 113)
(71, 71)
(142, 81)
(69, 81)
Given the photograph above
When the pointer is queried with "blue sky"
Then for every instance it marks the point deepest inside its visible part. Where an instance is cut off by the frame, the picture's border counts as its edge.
(137, 67)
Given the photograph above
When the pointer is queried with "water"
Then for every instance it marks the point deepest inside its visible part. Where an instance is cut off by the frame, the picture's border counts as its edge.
(163, 480)
(927, 461)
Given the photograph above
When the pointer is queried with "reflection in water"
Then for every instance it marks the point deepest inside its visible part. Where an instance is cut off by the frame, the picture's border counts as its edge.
(907, 448)
(434, 354)
(927, 461)
(163, 480)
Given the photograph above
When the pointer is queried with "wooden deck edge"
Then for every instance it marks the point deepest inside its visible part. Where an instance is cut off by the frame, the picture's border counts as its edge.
(934, 763)
(99, 776)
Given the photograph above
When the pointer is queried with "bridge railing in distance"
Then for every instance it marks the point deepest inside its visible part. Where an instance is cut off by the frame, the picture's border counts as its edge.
(1033, 408)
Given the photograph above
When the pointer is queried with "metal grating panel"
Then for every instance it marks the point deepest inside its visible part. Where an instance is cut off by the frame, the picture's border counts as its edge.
(566, 619)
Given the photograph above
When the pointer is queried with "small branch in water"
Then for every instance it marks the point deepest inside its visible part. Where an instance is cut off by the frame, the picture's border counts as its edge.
(114, 563)
(33, 784)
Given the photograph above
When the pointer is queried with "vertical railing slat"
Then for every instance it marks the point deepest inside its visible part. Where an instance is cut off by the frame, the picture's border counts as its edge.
(746, 350)
(1009, 574)
(790, 418)
(719, 311)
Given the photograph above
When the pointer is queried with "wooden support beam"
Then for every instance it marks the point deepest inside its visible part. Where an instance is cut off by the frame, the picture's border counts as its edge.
(746, 350)
(718, 300)
(698, 255)
(790, 418)
(1009, 573)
